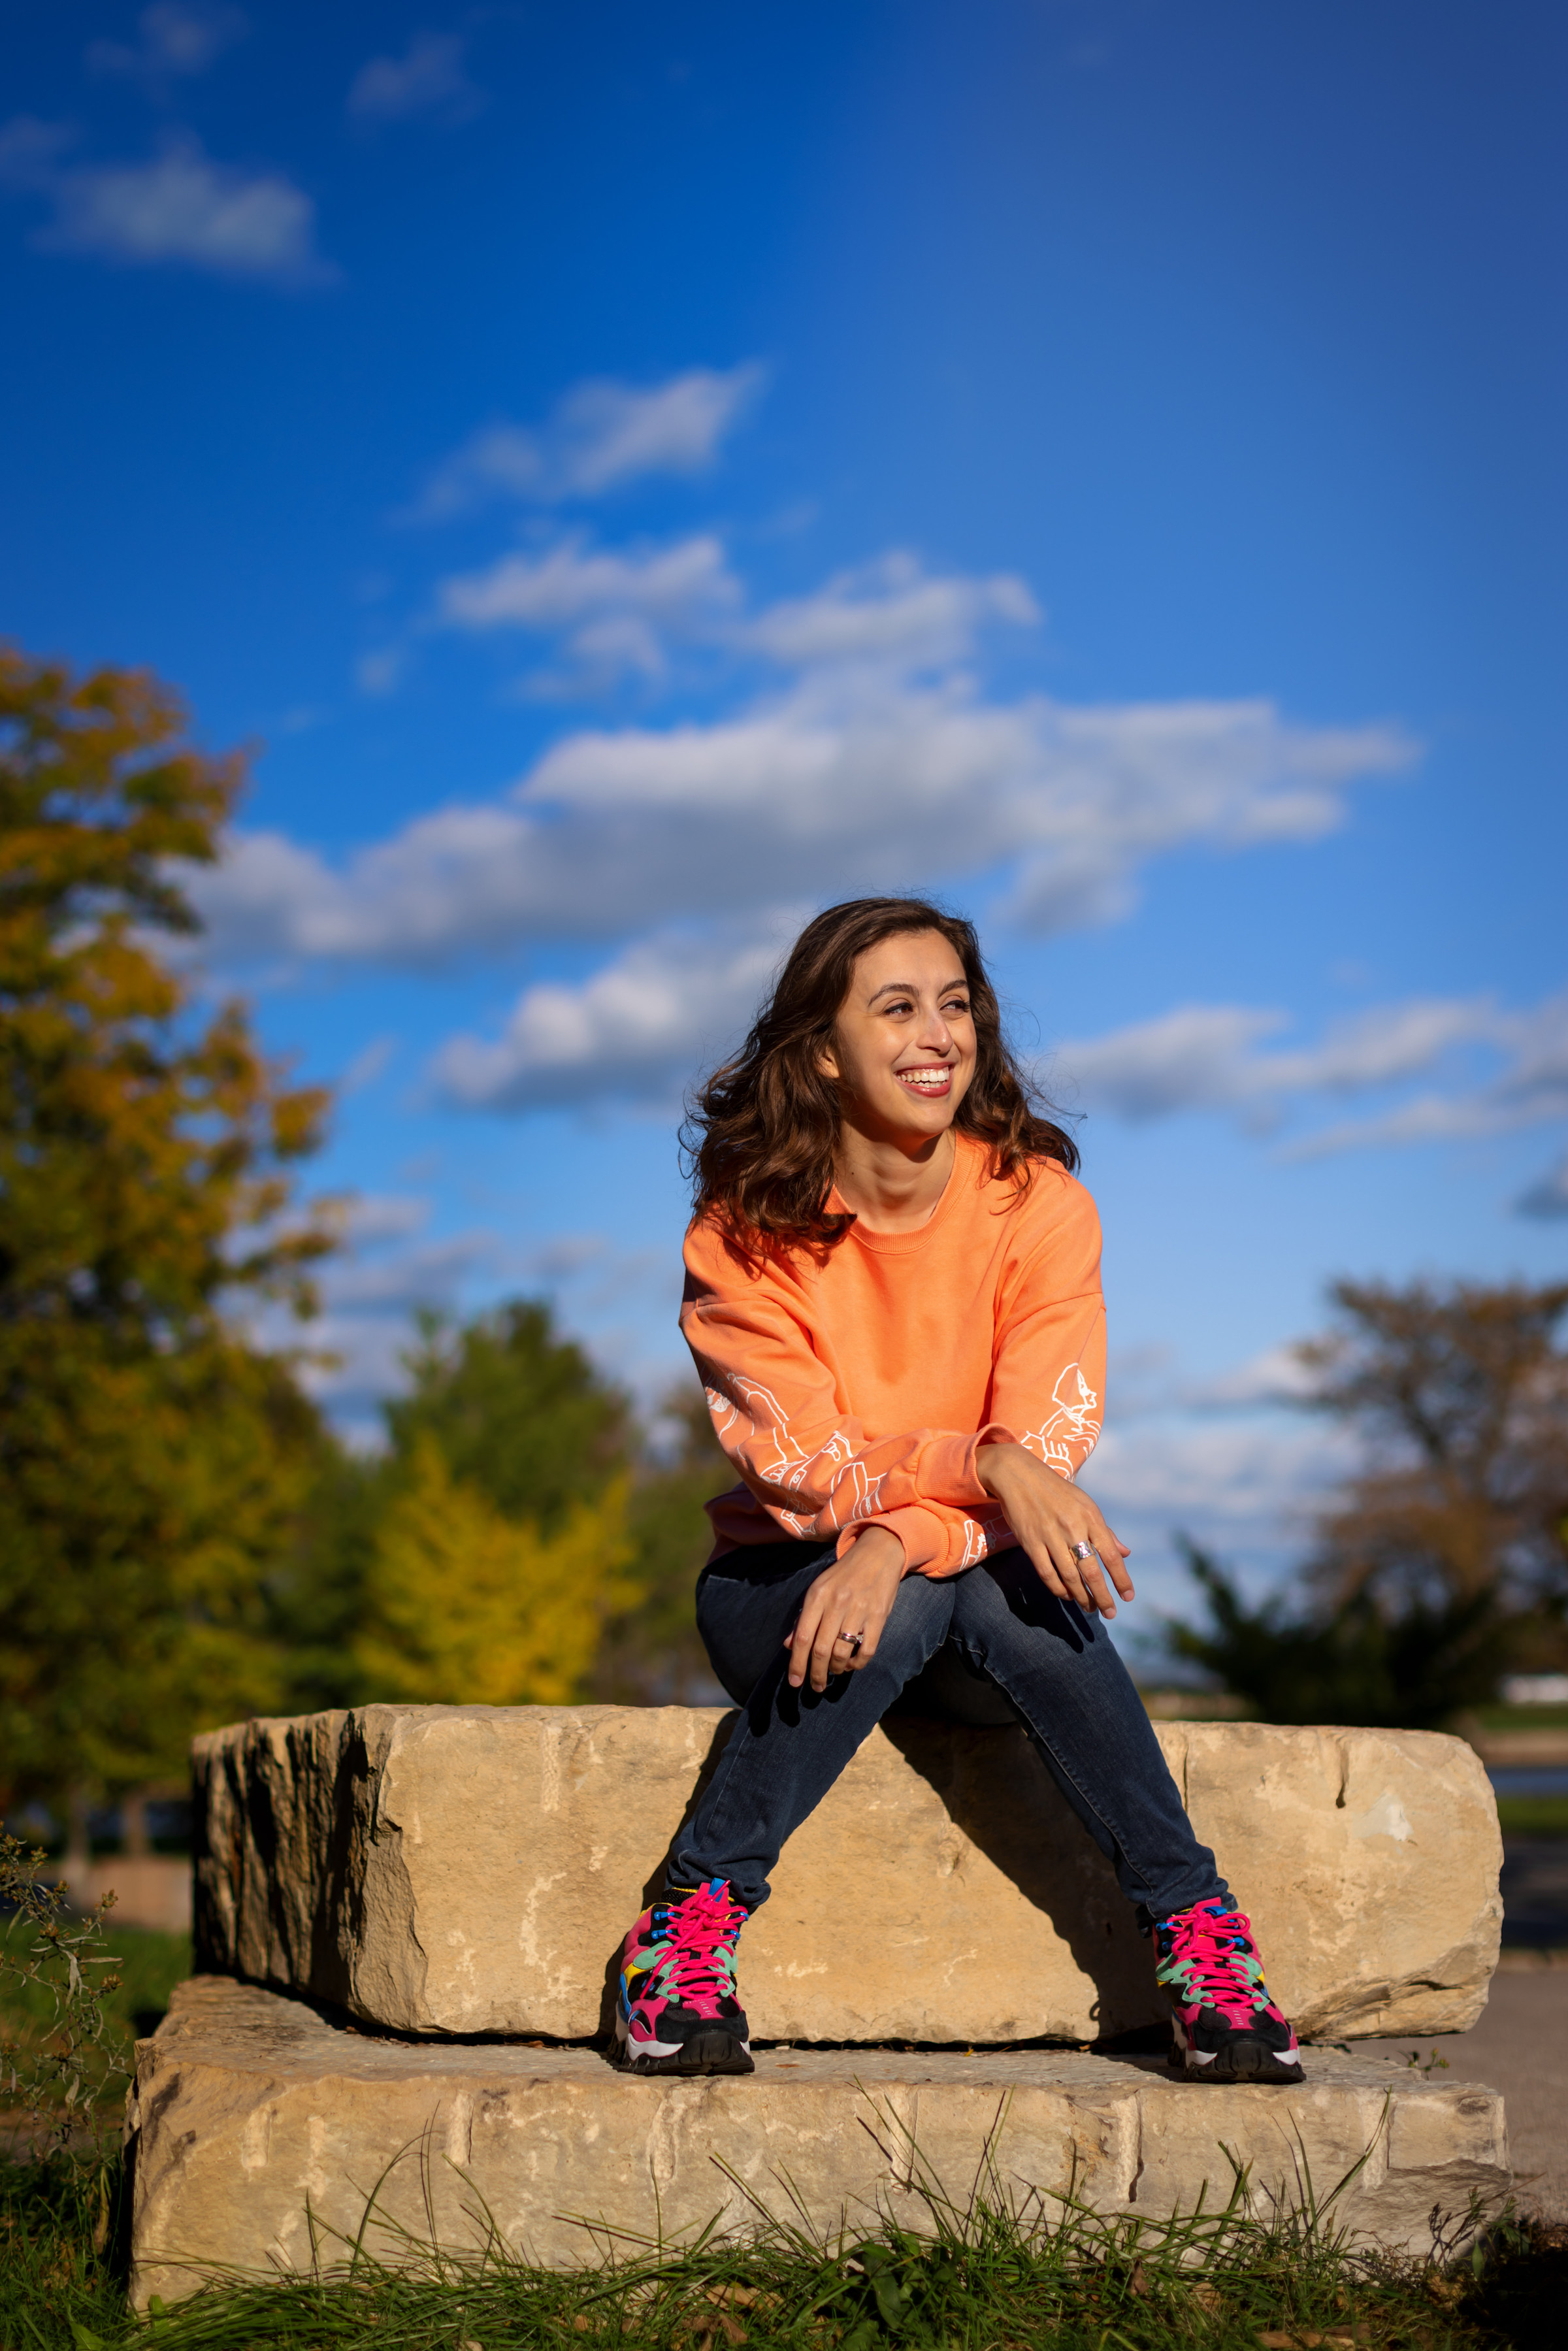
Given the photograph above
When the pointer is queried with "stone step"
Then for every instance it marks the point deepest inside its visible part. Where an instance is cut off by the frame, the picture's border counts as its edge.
(472, 1870)
(248, 2107)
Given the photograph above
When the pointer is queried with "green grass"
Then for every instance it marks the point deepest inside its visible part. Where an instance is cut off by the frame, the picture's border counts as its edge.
(150, 1966)
(1533, 1816)
(984, 2280)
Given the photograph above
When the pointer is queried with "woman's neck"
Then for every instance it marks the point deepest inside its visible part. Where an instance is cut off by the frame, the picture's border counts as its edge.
(891, 1189)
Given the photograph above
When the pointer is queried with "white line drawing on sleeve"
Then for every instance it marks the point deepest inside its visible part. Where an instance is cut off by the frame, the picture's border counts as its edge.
(1068, 1437)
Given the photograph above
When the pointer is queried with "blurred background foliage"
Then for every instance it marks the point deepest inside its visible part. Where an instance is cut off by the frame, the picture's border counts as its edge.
(185, 1540)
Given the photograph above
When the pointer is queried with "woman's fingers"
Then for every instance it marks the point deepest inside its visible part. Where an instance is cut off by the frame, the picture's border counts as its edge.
(843, 1611)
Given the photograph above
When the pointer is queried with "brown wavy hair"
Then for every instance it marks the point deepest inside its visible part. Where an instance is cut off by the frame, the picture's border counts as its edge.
(760, 1133)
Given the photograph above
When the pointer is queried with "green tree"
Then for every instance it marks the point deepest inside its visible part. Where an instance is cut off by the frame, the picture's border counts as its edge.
(1414, 1667)
(652, 1654)
(152, 1463)
(518, 1413)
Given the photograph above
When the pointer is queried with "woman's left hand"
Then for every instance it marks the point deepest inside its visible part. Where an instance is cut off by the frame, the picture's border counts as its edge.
(1072, 1549)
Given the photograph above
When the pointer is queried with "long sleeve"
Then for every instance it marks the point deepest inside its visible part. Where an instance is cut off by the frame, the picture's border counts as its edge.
(1050, 1376)
(801, 1453)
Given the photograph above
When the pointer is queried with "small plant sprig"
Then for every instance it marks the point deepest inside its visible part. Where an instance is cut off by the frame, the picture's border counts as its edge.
(56, 2078)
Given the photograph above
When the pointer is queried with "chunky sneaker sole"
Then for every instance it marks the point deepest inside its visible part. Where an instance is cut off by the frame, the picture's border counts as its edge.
(1245, 2059)
(709, 2051)
(1225, 2026)
(677, 2011)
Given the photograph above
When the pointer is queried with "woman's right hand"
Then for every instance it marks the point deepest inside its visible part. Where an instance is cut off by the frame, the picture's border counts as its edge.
(854, 1595)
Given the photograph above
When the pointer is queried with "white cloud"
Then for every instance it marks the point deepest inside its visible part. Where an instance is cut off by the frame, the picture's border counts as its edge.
(613, 611)
(1212, 1057)
(178, 36)
(1194, 1474)
(181, 207)
(892, 614)
(428, 79)
(638, 1028)
(601, 436)
(1530, 1088)
(852, 779)
(1206, 1057)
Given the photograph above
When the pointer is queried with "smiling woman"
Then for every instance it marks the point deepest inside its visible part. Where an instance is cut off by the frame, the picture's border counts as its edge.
(775, 1129)
(893, 1299)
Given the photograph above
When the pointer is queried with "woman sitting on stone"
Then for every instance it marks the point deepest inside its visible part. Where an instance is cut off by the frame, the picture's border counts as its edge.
(893, 1297)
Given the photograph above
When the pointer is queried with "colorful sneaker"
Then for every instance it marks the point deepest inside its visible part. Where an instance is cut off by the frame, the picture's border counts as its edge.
(678, 2012)
(1227, 2028)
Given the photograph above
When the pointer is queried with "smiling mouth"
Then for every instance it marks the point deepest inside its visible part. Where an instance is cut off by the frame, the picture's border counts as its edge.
(933, 1081)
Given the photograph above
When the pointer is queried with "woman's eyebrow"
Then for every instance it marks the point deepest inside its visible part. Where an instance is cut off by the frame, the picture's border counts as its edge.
(908, 987)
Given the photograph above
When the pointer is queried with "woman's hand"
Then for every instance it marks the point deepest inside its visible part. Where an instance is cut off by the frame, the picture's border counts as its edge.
(844, 1610)
(1048, 1516)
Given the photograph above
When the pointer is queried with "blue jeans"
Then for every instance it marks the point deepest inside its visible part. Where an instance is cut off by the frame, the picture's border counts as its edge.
(988, 1645)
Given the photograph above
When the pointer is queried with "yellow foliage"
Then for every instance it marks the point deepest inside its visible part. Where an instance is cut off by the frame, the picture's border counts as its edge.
(466, 1607)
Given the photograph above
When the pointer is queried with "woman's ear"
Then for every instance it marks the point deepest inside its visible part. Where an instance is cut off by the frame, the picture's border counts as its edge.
(827, 1061)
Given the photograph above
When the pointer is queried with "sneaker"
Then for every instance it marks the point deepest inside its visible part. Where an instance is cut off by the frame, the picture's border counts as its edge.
(678, 2012)
(1227, 2028)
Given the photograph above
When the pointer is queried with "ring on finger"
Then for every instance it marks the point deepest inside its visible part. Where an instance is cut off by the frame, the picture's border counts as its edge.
(1083, 1550)
(851, 1641)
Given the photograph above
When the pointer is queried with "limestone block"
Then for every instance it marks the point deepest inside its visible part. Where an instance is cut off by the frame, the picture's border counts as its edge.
(248, 2108)
(472, 1870)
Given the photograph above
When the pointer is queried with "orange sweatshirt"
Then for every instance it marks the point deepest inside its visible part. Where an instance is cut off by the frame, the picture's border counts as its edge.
(856, 1391)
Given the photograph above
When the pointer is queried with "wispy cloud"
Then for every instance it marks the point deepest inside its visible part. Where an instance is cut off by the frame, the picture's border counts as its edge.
(613, 612)
(178, 37)
(180, 208)
(890, 615)
(1214, 1058)
(599, 437)
(859, 773)
(636, 1029)
(1209, 1056)
(429, 78)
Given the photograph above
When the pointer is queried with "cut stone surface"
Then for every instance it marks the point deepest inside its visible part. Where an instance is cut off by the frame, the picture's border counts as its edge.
(472, 1870)
(254, 2121)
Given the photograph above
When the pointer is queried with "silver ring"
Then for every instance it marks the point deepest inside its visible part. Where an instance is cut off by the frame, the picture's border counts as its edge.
(1081, 1552)
(852, 1641)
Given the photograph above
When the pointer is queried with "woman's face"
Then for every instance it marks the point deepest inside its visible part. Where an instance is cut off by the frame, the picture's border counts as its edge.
(903, 1045)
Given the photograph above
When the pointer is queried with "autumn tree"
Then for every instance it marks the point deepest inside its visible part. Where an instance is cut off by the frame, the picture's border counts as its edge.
(1444, 1559)
(152, 1462)
(467, 1606)
(1461, 1397)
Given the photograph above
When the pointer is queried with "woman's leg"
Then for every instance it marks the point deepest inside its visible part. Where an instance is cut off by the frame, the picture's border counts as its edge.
(789, 1746)
(679, 2009)
(1075, 1696)
(1078, 1702)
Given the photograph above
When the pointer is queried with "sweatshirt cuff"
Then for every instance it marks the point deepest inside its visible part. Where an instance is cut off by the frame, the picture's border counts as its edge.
(945, 1472)
(922, 1534)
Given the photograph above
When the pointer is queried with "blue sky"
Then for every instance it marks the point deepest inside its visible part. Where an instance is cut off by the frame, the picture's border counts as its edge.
(636, 474)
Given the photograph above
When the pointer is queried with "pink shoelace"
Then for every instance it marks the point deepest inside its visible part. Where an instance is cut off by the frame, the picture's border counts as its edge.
(1222, 1976)
(701, 1950)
